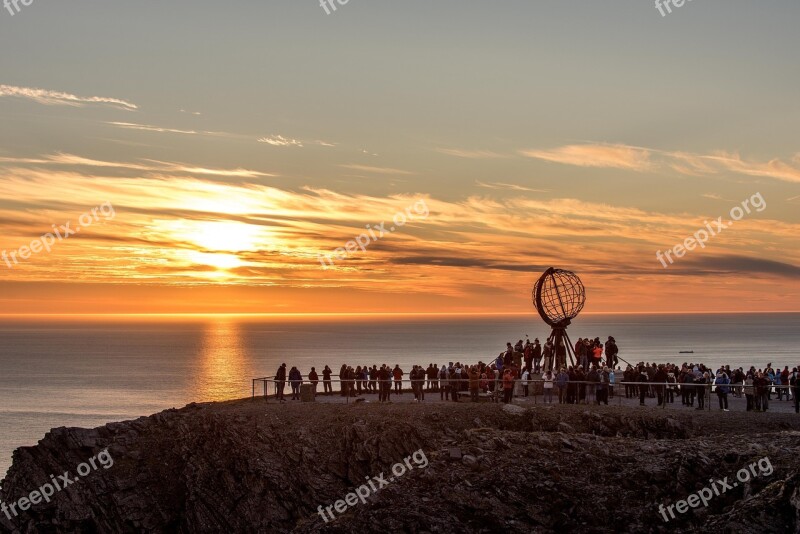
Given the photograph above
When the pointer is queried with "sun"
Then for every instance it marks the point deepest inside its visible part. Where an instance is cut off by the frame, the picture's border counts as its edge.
(227, 236)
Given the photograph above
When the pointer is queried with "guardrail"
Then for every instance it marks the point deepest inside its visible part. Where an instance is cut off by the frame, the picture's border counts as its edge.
(362, 387)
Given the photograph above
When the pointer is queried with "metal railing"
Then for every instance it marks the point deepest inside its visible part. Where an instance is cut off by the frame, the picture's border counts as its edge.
(362, 387)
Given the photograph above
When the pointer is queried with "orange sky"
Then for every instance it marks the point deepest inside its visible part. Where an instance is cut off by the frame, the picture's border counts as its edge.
(512, 140)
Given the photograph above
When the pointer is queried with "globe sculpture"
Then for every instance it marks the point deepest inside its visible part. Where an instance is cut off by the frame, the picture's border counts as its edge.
(559, 297)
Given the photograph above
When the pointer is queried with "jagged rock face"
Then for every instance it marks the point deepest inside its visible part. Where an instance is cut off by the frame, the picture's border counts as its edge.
(251, 467)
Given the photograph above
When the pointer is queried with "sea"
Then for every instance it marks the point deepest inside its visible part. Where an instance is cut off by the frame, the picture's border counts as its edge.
(59, 371)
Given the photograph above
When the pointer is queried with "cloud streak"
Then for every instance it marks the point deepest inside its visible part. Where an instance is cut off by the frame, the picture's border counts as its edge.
(279, 140)
(58, 98)
(618, 156)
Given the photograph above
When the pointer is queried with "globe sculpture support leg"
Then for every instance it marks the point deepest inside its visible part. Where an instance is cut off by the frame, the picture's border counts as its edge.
(560, 339)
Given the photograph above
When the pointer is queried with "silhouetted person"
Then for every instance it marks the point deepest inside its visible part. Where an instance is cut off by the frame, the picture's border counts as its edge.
(280, 382)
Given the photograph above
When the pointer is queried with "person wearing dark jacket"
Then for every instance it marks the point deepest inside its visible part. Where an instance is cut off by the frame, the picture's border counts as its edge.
(280, 382)
(295, 379)
(700, 383)
(761, 386)
(326, 381)
(313, 377)
(642, 387)
(794, 381)
(611, 353)
(537, 356)
(721, 382)
(474, 383)
(660, 378)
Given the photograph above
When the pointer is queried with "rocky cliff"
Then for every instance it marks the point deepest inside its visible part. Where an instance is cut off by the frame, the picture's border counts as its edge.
(246, 466)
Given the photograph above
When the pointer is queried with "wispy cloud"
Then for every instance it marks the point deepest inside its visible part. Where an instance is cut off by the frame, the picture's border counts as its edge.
(150, 128)
(279, 140)
(601, 155)
(511, 187)
(646, 159)
(56, 98)
(151, 166)
(714, 196)
(375, 170)
(471, 154)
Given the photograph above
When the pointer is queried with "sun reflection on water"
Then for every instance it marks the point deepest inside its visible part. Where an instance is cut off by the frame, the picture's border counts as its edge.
(224, 363)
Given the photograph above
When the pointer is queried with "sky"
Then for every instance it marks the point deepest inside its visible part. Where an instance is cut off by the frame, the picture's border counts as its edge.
(233, 154)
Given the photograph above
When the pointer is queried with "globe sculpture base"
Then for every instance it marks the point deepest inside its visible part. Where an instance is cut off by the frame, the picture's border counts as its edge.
(562, 347)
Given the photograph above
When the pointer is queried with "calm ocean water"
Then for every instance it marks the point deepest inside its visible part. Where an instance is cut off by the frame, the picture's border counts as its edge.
(58, 372)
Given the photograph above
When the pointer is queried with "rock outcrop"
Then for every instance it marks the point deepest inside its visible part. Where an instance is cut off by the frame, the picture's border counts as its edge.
(246, 466)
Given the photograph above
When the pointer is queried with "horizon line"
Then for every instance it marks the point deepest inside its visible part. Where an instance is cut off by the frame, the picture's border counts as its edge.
(386, 314)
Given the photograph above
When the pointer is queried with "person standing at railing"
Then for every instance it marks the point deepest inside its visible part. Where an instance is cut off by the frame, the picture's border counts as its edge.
(794, 381)
(444, 384)
(612, 379)
(454, 376)
(548, 356)
(280, 382)
(642, 377)
(326, 380)
(385, 379)
(785, 381)
(562, 380)
(721, 382)
(537, 356)
(313, 378)
(660, 380)
(508, 386)
(547, 387)
(398, 379)
(525, 376)
(342, 380)
(474, 383)
(295, 379)
(761, 385)
(702, 386)
(602, 386)
(373, 379)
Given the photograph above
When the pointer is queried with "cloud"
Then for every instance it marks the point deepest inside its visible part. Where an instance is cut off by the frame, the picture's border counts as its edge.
(55, 98)
(149, 128)
(512, 187)
(159, 167)
(602, 155)
(470, 154)
(646, 159)
(375, 170)
(279, 140)
(190, 112)
(731, 264)
(714, 196)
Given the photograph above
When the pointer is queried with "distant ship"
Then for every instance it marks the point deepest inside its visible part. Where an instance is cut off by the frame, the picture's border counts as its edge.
(686, 352)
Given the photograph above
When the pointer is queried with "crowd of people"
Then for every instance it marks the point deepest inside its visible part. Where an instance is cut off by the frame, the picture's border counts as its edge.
(531, 367)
